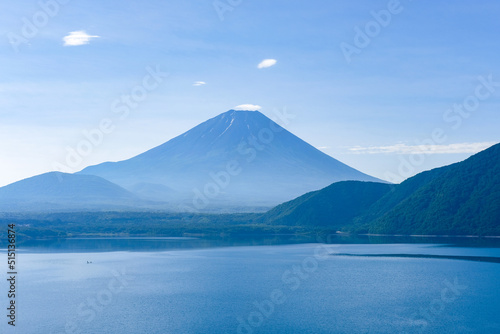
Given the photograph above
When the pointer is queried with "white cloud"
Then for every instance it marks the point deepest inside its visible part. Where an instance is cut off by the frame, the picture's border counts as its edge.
(251, 107)
(79, 37)
(267, 63)
(425, 149)
(199, 83)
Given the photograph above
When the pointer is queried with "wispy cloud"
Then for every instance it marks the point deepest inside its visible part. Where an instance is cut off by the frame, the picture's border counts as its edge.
(79, 37)
(247, 107)
(199, 83)
(267, 63)
(425, 149)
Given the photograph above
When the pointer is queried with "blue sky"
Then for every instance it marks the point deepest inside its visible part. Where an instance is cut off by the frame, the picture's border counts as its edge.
(370, 109)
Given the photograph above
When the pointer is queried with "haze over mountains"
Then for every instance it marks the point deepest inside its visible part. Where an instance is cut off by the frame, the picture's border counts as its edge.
(241, 159)
(60, 191)
(238, 159)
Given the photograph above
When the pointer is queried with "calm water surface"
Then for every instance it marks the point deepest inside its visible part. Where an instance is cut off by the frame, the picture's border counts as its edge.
(200, 286)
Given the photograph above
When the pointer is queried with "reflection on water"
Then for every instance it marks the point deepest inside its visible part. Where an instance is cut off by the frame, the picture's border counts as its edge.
(145, 244)
(428, 256)
(154, 244)
(230, 289)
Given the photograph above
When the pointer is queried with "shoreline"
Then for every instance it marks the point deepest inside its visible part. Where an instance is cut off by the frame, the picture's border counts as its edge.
(430, 235)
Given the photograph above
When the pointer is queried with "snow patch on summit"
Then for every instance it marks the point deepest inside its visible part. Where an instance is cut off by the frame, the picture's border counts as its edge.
(232, 120)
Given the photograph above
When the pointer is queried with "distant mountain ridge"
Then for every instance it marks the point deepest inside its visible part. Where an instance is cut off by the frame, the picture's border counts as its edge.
(237, 161)
(60, 191)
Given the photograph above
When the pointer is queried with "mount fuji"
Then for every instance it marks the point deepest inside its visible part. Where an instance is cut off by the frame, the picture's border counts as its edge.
(236, 159)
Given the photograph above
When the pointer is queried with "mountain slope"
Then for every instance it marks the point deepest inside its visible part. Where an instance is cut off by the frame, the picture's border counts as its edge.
(463, 198)
(334, 206)
(238, 157)
(398, 194)
(63, 191)
(459, 199)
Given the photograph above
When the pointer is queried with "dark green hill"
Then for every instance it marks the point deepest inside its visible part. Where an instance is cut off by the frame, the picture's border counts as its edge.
(333, 207)
(460, 199)
(398, 194)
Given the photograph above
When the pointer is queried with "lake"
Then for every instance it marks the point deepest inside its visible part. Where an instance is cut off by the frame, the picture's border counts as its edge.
(255, 285)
